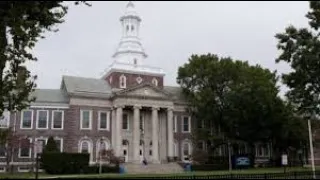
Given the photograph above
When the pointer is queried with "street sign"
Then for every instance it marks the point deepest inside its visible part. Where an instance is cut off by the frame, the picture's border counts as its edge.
(284, 159)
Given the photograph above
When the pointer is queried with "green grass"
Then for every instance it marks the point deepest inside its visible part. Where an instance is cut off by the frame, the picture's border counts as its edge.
(249, 171)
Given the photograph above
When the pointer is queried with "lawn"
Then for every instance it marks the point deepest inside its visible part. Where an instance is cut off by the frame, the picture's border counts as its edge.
(197, 173)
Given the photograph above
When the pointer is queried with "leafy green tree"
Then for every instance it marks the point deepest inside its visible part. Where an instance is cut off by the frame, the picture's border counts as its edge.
(300, 48)
(51, 146)
(22, 24)
(240, 99)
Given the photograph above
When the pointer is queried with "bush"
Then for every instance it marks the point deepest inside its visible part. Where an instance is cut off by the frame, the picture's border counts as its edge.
(64, 163)
(105, 169)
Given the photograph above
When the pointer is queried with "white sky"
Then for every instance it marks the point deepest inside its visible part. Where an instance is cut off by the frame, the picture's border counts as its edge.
(170, 32)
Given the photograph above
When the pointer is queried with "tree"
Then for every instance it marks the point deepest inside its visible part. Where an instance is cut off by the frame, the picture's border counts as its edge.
(242, 100)
(300, 48)
(11, 142)
(22, 23)
(51, 146)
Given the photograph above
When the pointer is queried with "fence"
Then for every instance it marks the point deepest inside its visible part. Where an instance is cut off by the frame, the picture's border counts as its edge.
(288, 175)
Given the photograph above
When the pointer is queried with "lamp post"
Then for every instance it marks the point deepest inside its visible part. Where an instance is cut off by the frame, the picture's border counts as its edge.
(311, 142)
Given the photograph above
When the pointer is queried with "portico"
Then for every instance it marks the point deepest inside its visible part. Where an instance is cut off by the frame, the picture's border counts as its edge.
(147, 119)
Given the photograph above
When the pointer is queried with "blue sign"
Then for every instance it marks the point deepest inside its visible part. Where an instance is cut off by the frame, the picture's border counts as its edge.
(242, 161)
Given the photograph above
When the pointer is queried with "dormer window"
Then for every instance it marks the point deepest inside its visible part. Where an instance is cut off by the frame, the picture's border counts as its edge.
(123, 81)
(155, 81)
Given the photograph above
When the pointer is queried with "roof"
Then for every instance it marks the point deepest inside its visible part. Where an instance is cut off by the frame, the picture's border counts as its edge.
(49, 95)
(90, 87)
(176, 91)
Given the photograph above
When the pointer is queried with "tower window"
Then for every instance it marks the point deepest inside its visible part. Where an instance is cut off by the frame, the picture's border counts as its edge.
(132, 27)
(123, 81)
(127, 28)
(135, 61)
(155, 81)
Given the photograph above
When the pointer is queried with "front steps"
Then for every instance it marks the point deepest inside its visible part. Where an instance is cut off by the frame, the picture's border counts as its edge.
(168, 168)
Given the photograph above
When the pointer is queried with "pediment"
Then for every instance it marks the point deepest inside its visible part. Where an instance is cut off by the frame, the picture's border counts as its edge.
(145, 90)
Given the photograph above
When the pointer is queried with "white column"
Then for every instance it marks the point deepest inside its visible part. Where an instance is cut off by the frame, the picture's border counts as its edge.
(170, 133)
(155, 138)
(113, 128)
(136, 133)
(118, 148)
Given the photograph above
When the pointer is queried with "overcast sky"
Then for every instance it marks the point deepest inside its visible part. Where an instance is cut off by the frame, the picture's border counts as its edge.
(170, 32)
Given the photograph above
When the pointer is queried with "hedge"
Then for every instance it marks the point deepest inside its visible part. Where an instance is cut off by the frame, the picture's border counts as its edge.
(64, 163)
(209, 167)
(105, 169)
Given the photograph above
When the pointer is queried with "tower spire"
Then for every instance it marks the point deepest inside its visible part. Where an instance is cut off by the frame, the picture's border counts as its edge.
(130, 50)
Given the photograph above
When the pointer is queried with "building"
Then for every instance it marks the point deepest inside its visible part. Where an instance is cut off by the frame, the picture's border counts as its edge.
(128, 109)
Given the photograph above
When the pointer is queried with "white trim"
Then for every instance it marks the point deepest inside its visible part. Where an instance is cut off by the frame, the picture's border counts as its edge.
(128, 127)
(62, 120)
(40, 138)
(17, 163)
(175, 126)
(124, 79)
(107, 121)
(20, 170)
(37, 119)
(189, 124)
(50, 107)
(90, 120)
(3, 169)
(21, 119)
(61, 142)
(30, 151)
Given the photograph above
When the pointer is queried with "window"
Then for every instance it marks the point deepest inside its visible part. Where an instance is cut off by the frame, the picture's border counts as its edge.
(200, 124)
(57, 119)
(59, 143)
(150, 152)
(23, 169)
(5, 119)
(2, 151)
(41, 142)
(127, 28)
(104, 119)
(2, 169)
(110, 79)
(132, 28)
(86, 118)
(186, 151)
(26, 119)
(125, 122)
(135, 61)
(141, 125)
(123, 81)
(201, 145)
(85, 147)
(25, 149)
(140, 152)
(155, 81)
(42, 119)
(101, 145)
(175, 124)
(186, 124)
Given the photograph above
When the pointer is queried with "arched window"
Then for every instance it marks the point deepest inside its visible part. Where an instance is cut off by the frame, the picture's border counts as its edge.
(85, 146)
(123, 81)
(127, 28)
(132, 28)
(155, 81)
(102, 146)
(135, 61)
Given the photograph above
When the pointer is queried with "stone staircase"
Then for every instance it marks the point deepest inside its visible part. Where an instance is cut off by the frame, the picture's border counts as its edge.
(168, 168)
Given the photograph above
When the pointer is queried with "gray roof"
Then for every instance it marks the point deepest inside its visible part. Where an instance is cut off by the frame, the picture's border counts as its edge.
(49, 95)
(90, 87)
(176, 91)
